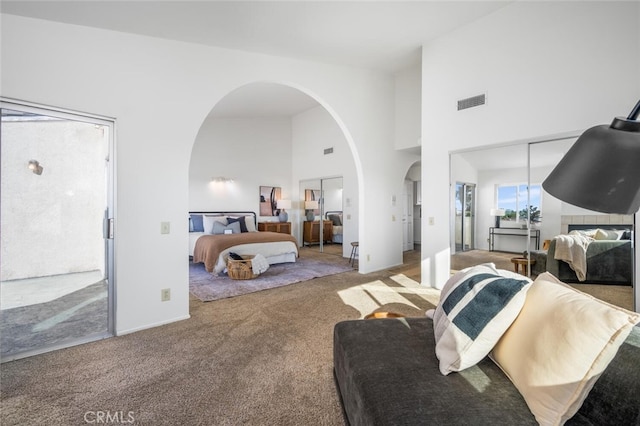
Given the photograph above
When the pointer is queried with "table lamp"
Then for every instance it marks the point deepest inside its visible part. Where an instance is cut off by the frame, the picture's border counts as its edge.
(498, 213)
(282, 205)
(310, 206)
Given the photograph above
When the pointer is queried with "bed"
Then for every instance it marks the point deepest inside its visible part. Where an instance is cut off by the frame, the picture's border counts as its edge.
(212, 235)
(335, 216)
(609, 256)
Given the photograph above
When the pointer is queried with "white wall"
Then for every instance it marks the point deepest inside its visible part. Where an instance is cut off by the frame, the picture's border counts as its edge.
(52, 223)
(547, 68)
(408, 101)
(312, 132)
(160, 92)
(253, 152)
(332, 188)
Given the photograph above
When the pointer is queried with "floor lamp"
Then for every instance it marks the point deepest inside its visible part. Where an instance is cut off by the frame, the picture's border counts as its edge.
(601, 171)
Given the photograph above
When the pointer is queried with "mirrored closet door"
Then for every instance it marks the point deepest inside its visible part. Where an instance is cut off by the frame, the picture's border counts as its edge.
(321, 219)
(608, 268)
(517, 223)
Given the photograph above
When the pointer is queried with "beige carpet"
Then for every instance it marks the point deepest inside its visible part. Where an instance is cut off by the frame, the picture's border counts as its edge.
(465, 259)
(259, 359)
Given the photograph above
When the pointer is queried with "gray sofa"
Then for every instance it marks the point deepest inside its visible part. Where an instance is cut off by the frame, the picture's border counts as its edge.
(386, 373)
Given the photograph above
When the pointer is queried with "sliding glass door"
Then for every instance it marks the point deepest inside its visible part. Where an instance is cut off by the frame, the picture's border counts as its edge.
(465, 216)
(56, 199)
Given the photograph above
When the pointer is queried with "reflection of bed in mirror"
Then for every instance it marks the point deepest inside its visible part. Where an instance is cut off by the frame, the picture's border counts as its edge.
(335, 216)
(609, 255)
(212, 235)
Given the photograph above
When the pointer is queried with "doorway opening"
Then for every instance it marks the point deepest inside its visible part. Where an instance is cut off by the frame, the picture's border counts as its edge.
(57, 258)
(465, 216)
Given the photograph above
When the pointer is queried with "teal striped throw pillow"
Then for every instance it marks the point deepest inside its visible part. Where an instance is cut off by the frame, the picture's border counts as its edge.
(477, 305)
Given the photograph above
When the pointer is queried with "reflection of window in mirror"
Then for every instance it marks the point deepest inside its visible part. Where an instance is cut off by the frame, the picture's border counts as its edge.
(521, 203)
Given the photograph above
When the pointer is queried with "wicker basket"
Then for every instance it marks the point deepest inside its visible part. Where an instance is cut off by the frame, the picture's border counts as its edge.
(240, 269)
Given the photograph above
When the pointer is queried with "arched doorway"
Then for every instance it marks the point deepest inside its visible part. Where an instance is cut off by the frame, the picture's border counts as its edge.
(274, 135)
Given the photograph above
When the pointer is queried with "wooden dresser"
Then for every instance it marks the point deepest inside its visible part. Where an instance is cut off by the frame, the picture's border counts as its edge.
(311, 232)
(281, 227)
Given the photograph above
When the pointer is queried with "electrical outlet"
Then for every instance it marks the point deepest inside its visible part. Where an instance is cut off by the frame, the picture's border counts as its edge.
(432, 221)
(368, 258)
(165, 294)
(165, 227)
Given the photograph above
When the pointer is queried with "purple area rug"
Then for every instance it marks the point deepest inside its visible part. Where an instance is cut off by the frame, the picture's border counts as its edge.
(208, 287)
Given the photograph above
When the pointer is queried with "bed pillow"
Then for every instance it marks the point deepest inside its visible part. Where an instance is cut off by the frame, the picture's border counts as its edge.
(250, 224)
(240, 220)
(558, 347)
(476, 307)
(586, 232)
(209, 220)
(220, 228)
(195, 223)
(607, 234)
(335, 219)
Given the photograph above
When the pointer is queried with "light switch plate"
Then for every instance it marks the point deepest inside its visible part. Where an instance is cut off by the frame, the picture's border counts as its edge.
(165, 227)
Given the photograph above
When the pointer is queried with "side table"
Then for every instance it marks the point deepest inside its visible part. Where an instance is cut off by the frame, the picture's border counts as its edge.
(524, 262)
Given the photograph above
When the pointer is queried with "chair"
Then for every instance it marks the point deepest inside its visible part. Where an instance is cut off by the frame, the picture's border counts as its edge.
(354, 253)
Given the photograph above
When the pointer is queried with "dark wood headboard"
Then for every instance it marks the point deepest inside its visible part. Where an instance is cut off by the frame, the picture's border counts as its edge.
(326, 214)
(230, 213)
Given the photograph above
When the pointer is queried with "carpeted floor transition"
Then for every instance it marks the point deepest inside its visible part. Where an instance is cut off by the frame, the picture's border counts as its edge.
(263, 358)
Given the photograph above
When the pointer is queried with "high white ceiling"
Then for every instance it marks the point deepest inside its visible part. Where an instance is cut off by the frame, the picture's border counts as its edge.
(381, 35)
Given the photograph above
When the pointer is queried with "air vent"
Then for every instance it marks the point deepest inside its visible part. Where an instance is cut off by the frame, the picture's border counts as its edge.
(328, 151)
(472, 102)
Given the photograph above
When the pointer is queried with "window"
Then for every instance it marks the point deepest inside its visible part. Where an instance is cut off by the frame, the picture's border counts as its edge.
(513, 199)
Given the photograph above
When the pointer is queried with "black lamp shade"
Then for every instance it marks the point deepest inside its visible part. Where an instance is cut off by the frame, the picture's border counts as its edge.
(601, 171)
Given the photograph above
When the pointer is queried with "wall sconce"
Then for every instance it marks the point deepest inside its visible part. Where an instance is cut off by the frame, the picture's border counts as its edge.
(282, 205)
(310, 206)
(498, 213)
(35, 167)
(221, 179)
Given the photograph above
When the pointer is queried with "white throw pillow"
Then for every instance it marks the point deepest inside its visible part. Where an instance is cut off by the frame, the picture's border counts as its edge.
(476, 307)
(209, 220)
(559, 345)
(605, 234)
(251, 224)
